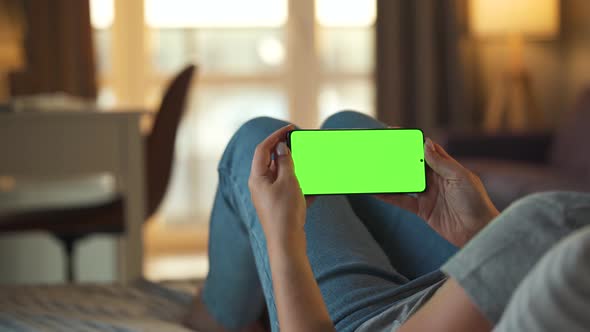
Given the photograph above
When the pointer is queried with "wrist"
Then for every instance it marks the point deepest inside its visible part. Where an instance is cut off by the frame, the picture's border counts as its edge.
(490, 215)
(470, 232)
(290, 241)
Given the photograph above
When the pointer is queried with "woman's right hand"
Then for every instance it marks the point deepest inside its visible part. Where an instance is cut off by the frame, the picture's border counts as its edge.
(455, 204)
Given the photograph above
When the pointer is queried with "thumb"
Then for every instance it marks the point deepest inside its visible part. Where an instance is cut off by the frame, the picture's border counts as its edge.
(284, 161)
(440, 161)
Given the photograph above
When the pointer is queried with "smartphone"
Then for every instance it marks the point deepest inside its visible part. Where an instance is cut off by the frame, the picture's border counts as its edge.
(358, 161)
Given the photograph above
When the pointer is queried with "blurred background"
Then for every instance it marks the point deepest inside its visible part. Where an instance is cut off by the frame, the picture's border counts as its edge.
(459, 69)
(248, 68)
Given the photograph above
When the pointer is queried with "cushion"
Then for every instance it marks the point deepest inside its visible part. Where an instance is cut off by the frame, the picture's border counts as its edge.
(29, 195)
(569, 150)
(506, 181)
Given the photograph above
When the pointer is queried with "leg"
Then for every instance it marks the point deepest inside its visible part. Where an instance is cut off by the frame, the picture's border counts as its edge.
(412, 247)
(355, 276)
(232, 292)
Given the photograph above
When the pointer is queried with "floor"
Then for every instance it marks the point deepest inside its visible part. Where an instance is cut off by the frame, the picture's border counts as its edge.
(174, 252)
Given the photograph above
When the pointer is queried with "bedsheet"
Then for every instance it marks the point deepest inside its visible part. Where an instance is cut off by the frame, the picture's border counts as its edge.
(140, 306)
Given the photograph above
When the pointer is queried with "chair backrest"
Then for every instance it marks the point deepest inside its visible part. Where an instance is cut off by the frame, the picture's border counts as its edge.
(570, 150)
(160, 142)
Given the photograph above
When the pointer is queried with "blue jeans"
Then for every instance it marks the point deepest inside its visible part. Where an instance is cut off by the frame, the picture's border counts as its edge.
(365, 254)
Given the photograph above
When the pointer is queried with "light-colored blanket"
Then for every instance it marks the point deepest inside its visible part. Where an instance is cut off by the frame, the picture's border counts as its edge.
(142, 306)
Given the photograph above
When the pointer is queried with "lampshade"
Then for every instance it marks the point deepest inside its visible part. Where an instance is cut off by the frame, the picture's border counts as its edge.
(11, 36)
(527, 18)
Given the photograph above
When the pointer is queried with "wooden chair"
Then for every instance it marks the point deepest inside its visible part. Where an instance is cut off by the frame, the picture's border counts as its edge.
(70, 223)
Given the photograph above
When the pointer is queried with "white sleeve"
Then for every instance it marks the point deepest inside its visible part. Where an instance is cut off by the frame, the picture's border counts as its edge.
(555, 295)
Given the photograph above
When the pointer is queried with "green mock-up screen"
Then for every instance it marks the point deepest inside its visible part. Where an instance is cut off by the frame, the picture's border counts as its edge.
(356, 161)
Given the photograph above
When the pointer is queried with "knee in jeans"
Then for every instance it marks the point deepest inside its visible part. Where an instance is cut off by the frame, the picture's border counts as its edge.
(343, 119)
(250, 134)
(258, 126)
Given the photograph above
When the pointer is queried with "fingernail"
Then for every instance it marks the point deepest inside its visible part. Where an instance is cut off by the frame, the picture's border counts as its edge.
(282, 149)
(430, 145)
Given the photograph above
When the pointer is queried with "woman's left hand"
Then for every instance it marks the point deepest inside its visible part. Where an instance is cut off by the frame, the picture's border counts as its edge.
(275, 191)
(280, 205)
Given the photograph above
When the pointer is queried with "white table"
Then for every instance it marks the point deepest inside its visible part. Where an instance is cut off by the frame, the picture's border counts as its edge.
(58, 144)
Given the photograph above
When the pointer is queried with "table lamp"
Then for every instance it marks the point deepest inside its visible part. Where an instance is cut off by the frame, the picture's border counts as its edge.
(511, 102)
(12, 32)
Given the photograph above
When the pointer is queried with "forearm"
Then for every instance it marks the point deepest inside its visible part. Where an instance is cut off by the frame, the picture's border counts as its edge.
(458, 227)
(298, 298)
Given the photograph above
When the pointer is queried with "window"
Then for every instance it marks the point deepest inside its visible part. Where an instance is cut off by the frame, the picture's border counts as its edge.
(240, 53)
(259, 57)
(346, 46)
(102, 15)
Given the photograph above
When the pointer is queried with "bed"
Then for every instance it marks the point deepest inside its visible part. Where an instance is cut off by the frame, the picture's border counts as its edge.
(140, 306)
